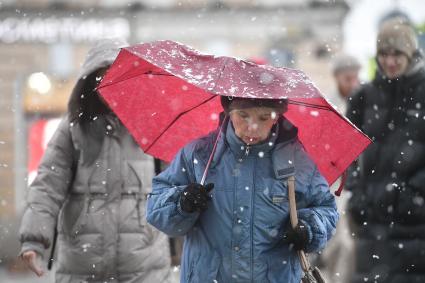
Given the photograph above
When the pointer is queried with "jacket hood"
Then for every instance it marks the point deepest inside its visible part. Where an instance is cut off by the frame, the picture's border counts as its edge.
(101, 55)
(85, 107)
(83, 99)
(286, 132)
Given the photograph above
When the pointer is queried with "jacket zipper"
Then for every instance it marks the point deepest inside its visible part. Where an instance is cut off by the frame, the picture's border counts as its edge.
(247, 149)
(252, 219)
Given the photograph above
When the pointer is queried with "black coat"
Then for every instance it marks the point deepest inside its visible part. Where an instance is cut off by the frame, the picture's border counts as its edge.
(388, 184)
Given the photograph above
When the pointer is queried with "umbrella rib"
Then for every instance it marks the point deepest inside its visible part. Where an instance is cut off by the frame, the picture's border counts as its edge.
(175, 119)
(309, 105)
(221, 73)
(129, 78)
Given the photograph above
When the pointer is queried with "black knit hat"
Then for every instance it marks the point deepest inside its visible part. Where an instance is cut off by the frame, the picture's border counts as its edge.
(231, 103)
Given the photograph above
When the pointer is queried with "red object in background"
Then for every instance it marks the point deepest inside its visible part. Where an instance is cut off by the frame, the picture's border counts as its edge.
(167, 94)
(258, 60)
(39, 135)
(35, 142)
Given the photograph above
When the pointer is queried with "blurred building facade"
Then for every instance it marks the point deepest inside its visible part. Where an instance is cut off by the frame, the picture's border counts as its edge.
(43, 42)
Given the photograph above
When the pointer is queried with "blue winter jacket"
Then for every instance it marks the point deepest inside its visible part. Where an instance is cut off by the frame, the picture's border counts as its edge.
(239, 237)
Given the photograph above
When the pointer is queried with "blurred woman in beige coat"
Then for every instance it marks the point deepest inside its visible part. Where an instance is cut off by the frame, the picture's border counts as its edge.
(92, 185)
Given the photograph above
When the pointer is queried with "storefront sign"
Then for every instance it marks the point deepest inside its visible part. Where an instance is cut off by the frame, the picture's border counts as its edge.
(65, 29)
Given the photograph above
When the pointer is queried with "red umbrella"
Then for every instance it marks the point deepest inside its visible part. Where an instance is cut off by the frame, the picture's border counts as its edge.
(167, 94)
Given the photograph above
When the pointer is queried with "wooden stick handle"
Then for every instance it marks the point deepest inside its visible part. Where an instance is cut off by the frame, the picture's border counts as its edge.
(305, 264)
(292, 203)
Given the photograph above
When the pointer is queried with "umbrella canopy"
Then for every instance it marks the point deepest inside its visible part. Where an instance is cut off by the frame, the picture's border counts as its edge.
(167, 94)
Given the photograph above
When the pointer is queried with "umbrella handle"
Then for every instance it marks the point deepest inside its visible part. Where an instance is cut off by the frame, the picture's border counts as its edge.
(204, 176)
(305, 264)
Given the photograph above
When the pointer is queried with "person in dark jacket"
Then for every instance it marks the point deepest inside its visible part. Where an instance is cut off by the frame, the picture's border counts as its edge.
(388, 183)
(236, 226)
(93, 181)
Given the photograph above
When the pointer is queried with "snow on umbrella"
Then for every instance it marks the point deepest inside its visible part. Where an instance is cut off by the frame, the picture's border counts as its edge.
(168, 94)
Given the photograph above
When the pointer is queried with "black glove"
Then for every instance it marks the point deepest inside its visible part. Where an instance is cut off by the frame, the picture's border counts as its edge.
(297, 236)
(195, 197)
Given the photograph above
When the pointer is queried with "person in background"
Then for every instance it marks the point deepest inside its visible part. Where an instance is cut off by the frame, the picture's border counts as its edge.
(236, 227)
(336, 261)
(345, 71)
(91, 186)
(387, 215)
